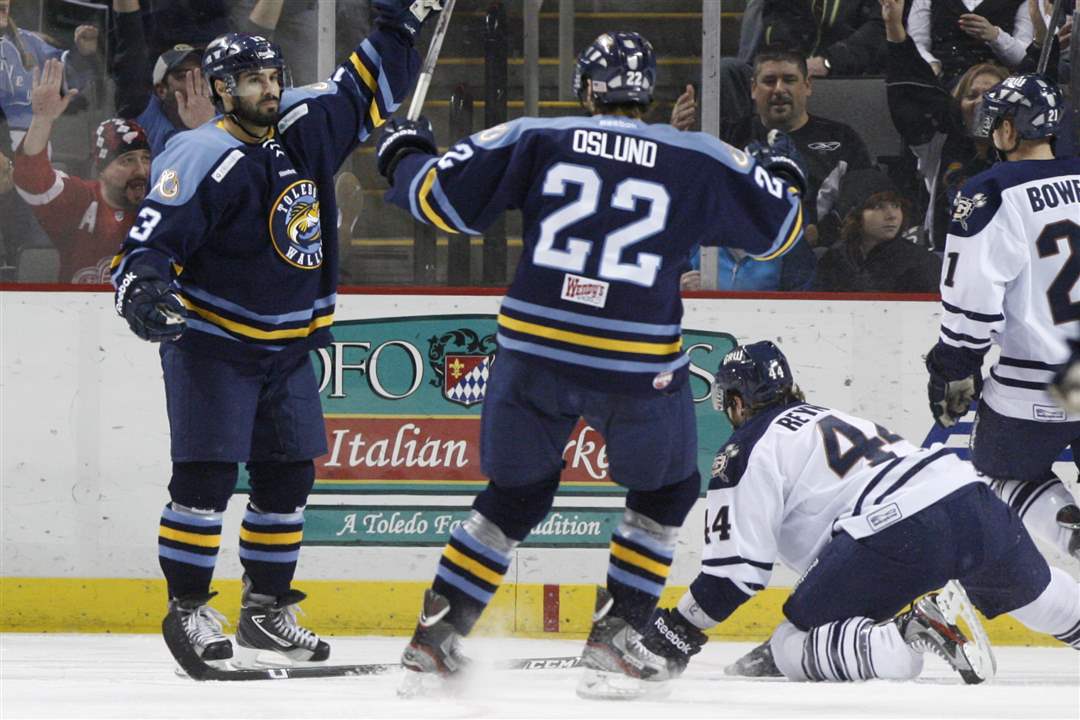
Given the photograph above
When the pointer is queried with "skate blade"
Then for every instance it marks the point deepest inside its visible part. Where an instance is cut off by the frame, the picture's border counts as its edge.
(606, 685)
(219, 664)
(247, 658)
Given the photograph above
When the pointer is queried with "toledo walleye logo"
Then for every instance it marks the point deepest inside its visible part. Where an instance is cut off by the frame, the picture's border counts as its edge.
(295, 229)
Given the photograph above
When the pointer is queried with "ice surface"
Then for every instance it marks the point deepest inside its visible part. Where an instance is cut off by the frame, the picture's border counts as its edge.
(132, 676)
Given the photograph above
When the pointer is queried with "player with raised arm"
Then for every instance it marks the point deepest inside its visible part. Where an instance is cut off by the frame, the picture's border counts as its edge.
(230, 267)
(1012, 259)
(871, 522)
(590, 327)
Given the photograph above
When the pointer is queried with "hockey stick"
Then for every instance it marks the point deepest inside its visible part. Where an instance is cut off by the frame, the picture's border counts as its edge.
(428, 68)
(198, 669)
(1051, 29)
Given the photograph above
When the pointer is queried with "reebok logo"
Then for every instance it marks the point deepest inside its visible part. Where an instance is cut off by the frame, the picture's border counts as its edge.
(672, 637)
(121, 292)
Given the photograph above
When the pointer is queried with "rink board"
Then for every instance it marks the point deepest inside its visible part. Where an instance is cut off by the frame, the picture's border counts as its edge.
(85, 457)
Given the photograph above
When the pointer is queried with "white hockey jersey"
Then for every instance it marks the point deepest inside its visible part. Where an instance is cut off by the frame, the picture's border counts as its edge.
(1012, 261)
(793, 477)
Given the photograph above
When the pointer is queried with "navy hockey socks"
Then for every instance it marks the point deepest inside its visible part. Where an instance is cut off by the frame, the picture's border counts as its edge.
(269, 548)
(188, 542)
(642, 551)
(471, 569)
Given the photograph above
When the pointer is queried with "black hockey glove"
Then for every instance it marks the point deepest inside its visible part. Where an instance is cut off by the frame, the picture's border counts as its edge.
(950, 399)
(400, 138)
(1065, 387)
(781, 158)
(674, 638)
(404, 15)
(151, 307)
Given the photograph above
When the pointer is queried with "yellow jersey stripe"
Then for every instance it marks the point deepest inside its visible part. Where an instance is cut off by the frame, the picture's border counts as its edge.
(208, 541)
(429, 212)
(364, 73)
(255, 333)
(634, 558)
(795, 230)
(626, 346)
(467, 563)
(290, 538)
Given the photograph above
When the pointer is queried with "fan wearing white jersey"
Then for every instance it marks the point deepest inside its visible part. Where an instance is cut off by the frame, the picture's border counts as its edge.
(1012, 260)
(870, 521)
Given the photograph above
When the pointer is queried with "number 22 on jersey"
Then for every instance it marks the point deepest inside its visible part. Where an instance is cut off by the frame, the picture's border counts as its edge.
(559, 178)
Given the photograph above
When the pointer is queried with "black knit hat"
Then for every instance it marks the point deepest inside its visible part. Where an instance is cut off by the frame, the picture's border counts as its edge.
(858, 186)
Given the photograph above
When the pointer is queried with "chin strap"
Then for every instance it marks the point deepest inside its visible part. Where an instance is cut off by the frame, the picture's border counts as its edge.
(236, 119)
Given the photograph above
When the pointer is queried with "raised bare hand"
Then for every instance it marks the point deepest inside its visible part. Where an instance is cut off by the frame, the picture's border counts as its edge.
(86, 39)
(684, 114)
(194, 104)
(979, 27)
(45, 99)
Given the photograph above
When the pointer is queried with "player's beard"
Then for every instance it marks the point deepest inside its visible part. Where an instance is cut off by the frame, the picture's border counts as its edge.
(258, 114)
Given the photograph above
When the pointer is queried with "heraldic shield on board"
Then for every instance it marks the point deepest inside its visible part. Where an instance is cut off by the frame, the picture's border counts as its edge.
(462, 361)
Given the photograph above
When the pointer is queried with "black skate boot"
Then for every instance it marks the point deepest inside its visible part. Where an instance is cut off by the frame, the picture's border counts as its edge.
(925, 627)
(1068, 517)
(758, 662)
(202, 626)
(617, 666)
(433, 659)
(268, 623)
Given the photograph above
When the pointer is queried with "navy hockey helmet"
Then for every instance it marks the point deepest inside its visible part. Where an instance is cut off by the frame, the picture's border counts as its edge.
(1034, 104)
(758, 373)
(234, 53)
(620, 67)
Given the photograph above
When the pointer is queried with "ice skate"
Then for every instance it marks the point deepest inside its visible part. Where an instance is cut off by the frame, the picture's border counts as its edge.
(433, 659)
(927, 627)
(269, 634)
(758, 662)
(617, 666)
(1068, 517)
(202, 626)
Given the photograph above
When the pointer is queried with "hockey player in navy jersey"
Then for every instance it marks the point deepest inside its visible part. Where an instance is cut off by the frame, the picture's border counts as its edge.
(230, 267)
(1011, 262)
(870, 522)
(590, 326)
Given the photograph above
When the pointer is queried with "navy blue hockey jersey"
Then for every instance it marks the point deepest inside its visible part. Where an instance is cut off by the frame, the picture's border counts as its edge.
(249, 230)
(612, 208)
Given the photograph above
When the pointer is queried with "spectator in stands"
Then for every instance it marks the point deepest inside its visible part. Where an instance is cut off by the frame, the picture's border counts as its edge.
(780, 89)
(736, 271)
(292, 25)
(842, 37)
(171, 98)
(936, 124)
(85, 219)
(951, 36)
(18, 227)
(874, 254)
(21, 52)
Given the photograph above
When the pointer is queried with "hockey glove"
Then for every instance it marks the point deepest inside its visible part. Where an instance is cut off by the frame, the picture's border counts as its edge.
(404, 15)
(401, 138)
(950, 399)
(674, 638)
(152, 308)
(781, 158)
(1065, 387)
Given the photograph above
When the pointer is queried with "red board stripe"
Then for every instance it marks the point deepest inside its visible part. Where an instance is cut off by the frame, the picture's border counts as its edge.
(551, 608)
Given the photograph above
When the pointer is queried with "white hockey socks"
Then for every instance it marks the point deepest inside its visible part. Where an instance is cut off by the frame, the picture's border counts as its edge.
(1056, 611)
(853, 649)
(1038, 505)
